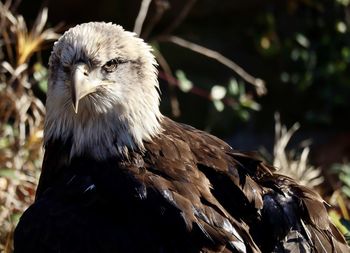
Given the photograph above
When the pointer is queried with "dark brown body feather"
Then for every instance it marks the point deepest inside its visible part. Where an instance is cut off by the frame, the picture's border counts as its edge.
(188, 192)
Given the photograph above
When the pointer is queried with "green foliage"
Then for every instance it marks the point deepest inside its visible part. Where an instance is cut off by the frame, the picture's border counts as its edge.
(232, 96)
(41, 76)
(307, 44)
(346, 224)
(343, 172)
(341, 223)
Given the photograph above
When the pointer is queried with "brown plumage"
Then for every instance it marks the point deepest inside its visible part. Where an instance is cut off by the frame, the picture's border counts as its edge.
(160, 187)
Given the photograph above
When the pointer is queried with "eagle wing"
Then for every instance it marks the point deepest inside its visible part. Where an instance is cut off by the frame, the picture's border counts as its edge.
(226, 192)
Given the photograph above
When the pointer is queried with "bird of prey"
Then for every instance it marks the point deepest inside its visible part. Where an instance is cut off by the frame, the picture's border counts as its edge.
(118, 176)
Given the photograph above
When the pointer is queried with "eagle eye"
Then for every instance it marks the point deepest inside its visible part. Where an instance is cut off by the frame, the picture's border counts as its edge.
(110, 66)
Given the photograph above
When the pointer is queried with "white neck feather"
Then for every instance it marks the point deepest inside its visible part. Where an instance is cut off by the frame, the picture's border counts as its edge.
(105, 134)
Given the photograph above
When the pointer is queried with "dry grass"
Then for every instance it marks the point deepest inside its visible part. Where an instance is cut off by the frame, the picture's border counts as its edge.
(21, 115)
(292, 162)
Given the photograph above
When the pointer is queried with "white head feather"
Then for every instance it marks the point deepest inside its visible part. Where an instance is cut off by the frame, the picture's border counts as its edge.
(123, 112)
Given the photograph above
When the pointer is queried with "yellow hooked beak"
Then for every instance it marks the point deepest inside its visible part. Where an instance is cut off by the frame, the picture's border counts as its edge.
(82, 84)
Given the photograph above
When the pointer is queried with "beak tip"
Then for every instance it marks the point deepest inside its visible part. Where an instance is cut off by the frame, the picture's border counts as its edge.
(75, 108)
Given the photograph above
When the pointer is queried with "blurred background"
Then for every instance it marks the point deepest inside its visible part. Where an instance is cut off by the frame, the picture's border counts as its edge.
(268, 76)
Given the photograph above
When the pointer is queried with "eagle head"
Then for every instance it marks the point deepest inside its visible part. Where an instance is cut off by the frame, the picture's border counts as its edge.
(103, 91)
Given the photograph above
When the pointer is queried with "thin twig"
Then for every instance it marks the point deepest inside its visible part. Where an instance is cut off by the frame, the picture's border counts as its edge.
(141, 16)
(174, 102)
(257, 82)
(8, 47)
(180, 17)
(161, 7)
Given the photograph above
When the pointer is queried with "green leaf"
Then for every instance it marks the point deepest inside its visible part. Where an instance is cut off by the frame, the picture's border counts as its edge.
(8, 173)
(15, 218)
(41, 76)
(249, 103)
(336, 219)
(340, 27)
(344, 2)
(4, 143)
(218, 92)
(346, 191)
(243, 114)
(219, 105)
(241, 88)
(43, 86)
(345, 178)
(302, 40)
(184, 84)
(284, 77)
(345, 53)
(233, 87)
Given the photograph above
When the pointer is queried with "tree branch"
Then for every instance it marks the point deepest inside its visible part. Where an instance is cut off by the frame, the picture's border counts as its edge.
(141, 16)
(257, 82)
(168, 76)
(161, 7)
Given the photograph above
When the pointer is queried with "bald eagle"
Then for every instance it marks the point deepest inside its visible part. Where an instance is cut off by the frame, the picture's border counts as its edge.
(118, 176)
